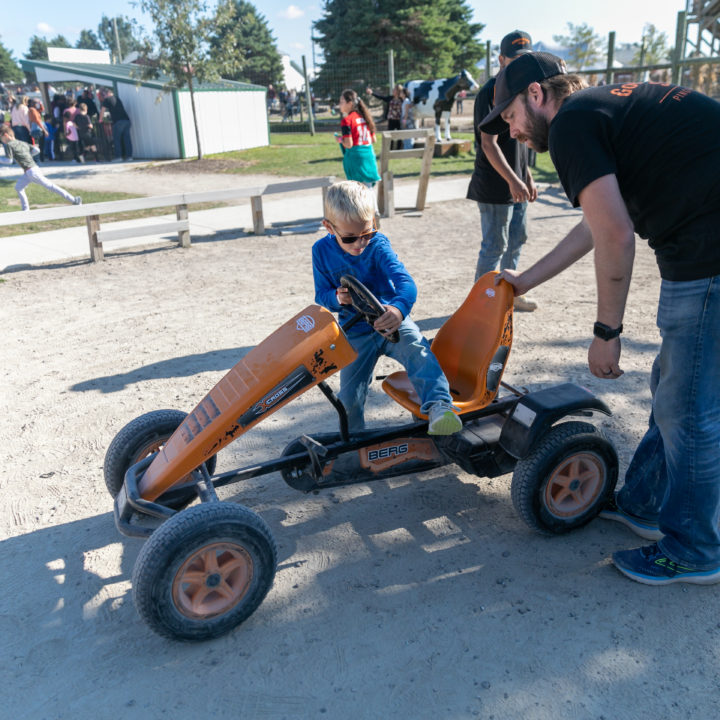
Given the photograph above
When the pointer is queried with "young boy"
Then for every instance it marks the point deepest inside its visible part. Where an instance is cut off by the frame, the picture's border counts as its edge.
(354, 247)
(20, 152)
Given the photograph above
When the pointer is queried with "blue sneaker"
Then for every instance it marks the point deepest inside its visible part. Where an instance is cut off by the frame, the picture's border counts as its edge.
(643, 528)
(649, 565)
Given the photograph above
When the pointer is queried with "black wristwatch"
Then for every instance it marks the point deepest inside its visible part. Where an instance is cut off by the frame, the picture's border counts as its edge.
(605, 332)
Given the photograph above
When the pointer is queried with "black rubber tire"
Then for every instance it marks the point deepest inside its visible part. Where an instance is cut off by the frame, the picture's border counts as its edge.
(137, 440)
(553, 495)
(301, 476)
(178, 545)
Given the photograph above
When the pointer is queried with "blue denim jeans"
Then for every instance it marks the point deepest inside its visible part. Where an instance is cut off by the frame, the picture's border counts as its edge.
(674, 476)
(121, 139)
(412, 352)
(504, 232)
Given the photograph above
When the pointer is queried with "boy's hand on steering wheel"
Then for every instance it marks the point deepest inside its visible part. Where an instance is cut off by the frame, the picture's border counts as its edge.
(343, 296)
(389, 321)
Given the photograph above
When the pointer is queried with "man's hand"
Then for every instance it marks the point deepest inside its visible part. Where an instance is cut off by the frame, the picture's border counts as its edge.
(343, 296)
(389, 321)
(515, 278)
(603, 358)
(519, 190)
(532, 188)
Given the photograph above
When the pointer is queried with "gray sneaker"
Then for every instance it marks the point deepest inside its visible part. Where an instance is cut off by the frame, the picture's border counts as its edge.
(77, 200)
(442, 420)
(522, 303)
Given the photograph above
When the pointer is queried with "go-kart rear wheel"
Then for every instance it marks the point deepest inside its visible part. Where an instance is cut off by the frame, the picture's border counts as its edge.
(204, 571)
(139, 438)
(567, 478)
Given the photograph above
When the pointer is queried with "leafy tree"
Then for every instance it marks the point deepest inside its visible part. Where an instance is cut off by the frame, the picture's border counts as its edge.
(129, 35)
(429, 38)
(9, 69)
(654, 48)
(38, 48)
(59, 41)
(88, 40)
(183, 30)
(243, 46)
(584, 45)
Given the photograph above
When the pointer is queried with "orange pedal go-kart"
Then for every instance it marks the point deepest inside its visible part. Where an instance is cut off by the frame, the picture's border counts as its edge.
(206, 568)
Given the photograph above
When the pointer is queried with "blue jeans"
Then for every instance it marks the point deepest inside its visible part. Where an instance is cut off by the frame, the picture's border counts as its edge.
(674, 476)
(121, 139)
(412, 352)
(504, 232)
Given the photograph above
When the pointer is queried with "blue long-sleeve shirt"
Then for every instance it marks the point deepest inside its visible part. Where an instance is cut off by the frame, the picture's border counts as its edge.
(378, 268)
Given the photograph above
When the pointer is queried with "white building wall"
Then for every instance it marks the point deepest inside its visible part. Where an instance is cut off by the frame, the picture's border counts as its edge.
(153, 131)
(227, 120)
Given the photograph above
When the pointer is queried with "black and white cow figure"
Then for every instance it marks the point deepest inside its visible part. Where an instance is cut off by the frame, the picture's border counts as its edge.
(435, 98)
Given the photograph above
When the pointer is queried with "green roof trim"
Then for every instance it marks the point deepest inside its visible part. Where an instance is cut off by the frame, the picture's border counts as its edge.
(108, 74)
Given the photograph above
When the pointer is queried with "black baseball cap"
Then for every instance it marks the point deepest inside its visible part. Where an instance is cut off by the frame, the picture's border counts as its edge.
(514, 78)
(515, 43)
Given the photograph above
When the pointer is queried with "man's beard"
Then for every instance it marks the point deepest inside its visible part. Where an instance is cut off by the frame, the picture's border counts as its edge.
(539, 132)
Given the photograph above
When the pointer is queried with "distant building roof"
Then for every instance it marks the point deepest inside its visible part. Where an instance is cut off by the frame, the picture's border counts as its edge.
(106, 74)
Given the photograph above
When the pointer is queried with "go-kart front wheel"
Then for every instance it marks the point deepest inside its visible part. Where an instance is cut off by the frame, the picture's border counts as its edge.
(204, 571)
(567, 478)
(139, 438)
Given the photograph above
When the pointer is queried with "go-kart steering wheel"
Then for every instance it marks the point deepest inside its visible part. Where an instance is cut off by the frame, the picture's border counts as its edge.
(366, 304)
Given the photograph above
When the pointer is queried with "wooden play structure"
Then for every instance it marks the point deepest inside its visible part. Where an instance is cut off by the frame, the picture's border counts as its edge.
(386, 193)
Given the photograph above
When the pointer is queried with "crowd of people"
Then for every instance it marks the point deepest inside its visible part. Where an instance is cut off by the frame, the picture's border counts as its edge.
(82, 124)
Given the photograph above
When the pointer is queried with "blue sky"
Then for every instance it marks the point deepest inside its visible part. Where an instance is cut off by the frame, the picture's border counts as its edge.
(291, 21)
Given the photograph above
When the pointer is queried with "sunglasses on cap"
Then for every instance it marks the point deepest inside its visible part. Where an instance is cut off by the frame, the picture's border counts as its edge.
(350, 239)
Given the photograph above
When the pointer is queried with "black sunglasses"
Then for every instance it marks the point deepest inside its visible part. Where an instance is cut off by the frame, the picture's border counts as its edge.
(350, 239)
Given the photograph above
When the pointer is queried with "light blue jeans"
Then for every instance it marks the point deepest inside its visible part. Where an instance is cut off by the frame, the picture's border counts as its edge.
(504, 232)
(674, 476)
(412, 352)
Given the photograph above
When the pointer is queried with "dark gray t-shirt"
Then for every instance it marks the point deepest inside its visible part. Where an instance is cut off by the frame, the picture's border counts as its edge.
(662, 142)
(486, 184)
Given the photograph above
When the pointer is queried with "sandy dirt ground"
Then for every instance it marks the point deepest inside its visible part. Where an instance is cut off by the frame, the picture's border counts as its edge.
(419, 597)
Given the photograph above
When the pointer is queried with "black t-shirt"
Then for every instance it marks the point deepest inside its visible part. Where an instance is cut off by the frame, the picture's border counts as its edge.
(115, 107)
(486, 184)
(662, 142)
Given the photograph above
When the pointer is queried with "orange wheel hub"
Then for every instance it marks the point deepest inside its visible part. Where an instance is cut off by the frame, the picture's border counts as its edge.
(574, 484)
(213, 580)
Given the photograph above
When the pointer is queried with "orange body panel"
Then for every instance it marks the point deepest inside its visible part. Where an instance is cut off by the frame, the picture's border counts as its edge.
(297, 356)
(465, 347)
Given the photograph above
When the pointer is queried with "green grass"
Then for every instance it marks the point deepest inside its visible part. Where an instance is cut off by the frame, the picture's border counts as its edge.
(302, 154)
(289, 154)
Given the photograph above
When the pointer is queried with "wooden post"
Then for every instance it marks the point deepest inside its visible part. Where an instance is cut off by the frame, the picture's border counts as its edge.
(181, 212)
(96, 248)
(679, 51)
(257, 215)
(388, 194)
(308, 99)
(384, 166)
(425, 172)
(610, 58)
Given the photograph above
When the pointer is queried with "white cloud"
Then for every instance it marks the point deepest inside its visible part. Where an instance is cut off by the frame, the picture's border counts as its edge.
(297, 46)
(292, 12)
(44, 28)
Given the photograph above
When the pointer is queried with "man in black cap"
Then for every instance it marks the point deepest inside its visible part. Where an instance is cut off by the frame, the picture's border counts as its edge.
(501, 183)
(641, 158)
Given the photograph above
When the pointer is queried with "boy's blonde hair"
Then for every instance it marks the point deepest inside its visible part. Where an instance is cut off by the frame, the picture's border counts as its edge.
(349, 200)
(6, 129)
